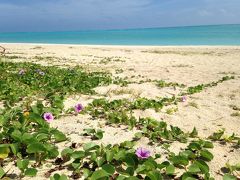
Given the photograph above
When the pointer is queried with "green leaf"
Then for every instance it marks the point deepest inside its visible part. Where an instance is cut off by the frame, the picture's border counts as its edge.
(86, 173)
(217, 135)
(4, 151)
(206, 155)
(100, 161)
(99, 134)
(138, 135)
(16, 135)
(27, 138)
(129, 171)
(130, 161)
(76, 163)
(63, 177)
(90, 146)
(66, 153)
(179, 160)
(203, 166)
(42, 136)
(99, 174)
(208, 144)
(194, 133)
(120, 155)
(187, 176)
(110, 169)
(89, 131)
(170, 170)
(229, 177)
(58, 135)
(188, 154)
(35, 148)
(14, 148)
(154, 175)
(58, 177)
(150, 164)
(132, 178)
(121, 177)
(51, 150)
(78, 154)
(194, 168)
(140, 169)
(194, 146)
(31, 172)
(2, 173)
(22, 164)
(109, 155)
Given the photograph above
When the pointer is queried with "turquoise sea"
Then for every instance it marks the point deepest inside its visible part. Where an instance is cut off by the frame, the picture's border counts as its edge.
(191, 35)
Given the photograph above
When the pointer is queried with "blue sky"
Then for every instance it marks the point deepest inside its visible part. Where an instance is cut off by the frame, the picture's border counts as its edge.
(61, 15)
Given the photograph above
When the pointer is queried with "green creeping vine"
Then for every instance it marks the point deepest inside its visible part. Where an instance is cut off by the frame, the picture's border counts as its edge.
(95, 134)
(219, 136)
(28, 140)
(201, 87)
(21, 80)
(163, 84)
(120, 162)
(101, 107)
(26, 135)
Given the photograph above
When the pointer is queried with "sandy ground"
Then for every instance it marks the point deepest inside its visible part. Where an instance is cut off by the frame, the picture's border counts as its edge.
(208, 111)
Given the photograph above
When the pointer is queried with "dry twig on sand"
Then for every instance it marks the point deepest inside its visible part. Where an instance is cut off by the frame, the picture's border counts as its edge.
(2, 52)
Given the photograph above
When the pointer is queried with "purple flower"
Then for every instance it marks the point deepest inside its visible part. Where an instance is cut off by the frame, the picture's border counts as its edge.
(48, 117)
(184, 98)
(78, 108)
(21, 72)
(142, 153)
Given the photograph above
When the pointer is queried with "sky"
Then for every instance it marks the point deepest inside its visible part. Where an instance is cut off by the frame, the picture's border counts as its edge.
(74, 15)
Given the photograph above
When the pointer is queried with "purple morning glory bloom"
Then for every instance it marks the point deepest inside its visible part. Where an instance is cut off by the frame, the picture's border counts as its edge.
(184, 98)
(78, 108)
(142, 153)
(21, 72)
(48, 117)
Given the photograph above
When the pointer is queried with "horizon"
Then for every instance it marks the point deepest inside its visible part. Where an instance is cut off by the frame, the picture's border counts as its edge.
(72, 15)
(125, 29)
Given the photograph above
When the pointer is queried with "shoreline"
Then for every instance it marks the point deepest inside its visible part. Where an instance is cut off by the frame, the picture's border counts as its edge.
(127, 46)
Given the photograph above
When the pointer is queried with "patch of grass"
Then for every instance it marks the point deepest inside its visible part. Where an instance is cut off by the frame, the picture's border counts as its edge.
(162, 84)
(171, 111)
(182, 65)
(234, 107)
(37, 47)
(122, 91)
(236, 114)
(193, 104)
(12, 57)
(108, 60)
(119, 71)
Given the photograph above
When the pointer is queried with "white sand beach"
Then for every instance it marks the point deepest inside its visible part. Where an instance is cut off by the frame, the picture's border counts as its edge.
(208, 111)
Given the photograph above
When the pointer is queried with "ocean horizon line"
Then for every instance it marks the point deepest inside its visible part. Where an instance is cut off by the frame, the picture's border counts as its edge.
(122, 29)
